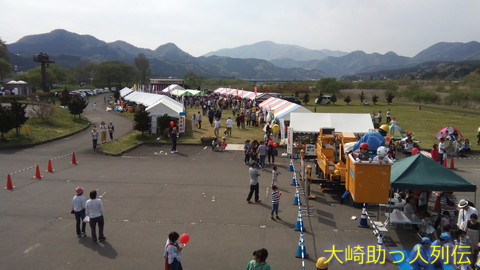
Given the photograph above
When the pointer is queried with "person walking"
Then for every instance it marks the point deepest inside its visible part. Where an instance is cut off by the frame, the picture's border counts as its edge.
(275, 174)
(78, 209)
(276, 131)
(260, 260)
(194, 122)
(173, 252)
(211, 115)
(94, 209)
(229, 126)
(94, 134)
(275, 202)
(254, 186)
(247, 148)
(441, 151)
(199, 120)
(103, 132)
(262, 153)
(216, 127)
(173, 133)
(111, 129)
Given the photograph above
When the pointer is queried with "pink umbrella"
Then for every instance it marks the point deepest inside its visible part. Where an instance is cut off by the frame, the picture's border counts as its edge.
(446, 131)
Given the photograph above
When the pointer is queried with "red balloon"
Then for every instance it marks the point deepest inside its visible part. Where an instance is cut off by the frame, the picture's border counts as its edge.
(184, 238)
(275, 144)
(415, 151)
(270, 142)
(172, 123)
(387, 138)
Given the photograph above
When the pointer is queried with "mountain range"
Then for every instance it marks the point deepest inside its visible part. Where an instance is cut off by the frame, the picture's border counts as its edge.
(264, 60)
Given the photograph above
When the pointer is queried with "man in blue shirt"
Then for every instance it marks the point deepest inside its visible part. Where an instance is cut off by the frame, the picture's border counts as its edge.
(374, 140)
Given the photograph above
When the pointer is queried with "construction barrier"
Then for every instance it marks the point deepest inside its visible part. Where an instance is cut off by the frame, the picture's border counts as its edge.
(38, 175)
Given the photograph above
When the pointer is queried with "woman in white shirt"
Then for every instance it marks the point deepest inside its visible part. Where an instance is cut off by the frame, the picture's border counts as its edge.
(94, 209)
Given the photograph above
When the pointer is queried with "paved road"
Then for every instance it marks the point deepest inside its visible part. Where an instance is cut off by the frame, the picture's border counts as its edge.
(149, 192)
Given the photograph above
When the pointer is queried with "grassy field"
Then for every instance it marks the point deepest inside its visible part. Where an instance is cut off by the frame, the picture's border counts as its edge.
(61, 123)
(425, 123)
(190, 137)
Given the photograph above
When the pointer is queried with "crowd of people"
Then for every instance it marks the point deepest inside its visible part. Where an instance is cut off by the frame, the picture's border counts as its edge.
(457, 228)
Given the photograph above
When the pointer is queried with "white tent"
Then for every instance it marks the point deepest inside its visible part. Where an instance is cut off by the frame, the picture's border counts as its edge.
(342, 122)
(164, 106)
(172, 87)
(125, 91)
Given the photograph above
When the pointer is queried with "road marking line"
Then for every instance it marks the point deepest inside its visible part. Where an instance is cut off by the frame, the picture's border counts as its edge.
(31, 248)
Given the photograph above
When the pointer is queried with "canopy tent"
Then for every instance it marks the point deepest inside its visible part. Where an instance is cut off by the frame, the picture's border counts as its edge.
(172, 87)
(285, 111)
(420, 172)
(125, 91)
(396, 132)
(150, 100)
(342, 122)
(244, 94)
(445, 132)
(166, 105)
(282, 108)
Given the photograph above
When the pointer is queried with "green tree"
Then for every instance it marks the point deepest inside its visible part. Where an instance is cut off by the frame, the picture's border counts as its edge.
(5, 120)
(194, 81)
(18, 114)
(77, 105)
(84, 73)
(362, 97)
(347, 100)
(375, 99)
(114, 73)
(333, 99)
(65, 97)
(143, 66)
(4, 51)
(142, 120)
(5, 69)
(306, 98)
(389, 97)
(328, 85)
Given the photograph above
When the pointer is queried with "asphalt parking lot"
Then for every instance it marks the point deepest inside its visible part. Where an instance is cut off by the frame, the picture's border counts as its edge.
(149, 192)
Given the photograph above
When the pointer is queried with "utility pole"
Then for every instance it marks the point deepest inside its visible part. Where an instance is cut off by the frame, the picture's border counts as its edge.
(45, 60)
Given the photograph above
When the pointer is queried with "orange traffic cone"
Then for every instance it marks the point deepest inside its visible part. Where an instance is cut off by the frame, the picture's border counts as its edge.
(74, 159)
(452, 165)
(50, 167)
(9, 183)
(444, 162)
(37, 173)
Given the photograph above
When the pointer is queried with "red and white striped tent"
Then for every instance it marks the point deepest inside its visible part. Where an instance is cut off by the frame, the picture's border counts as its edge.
(244, 94)
(282, 108)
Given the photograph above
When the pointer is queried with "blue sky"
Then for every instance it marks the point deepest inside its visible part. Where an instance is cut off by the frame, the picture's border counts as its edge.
(200, 26)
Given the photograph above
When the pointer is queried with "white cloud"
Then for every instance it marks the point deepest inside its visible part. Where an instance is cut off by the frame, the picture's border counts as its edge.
(197, 27)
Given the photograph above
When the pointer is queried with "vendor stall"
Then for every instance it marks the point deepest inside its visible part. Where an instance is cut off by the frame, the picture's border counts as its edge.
(304, 128)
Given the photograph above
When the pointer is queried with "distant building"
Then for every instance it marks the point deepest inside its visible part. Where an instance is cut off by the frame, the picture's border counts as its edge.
(160, 84)
(17, 87)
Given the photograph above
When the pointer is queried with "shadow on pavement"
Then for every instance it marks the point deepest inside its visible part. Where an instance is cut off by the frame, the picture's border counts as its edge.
(103, 248)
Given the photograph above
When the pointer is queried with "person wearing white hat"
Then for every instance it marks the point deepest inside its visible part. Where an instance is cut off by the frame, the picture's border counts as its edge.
(464, 213)
(78, 209)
